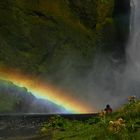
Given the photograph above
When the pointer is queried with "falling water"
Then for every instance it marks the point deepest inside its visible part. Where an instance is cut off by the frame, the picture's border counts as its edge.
(132, 72)
(133, 50)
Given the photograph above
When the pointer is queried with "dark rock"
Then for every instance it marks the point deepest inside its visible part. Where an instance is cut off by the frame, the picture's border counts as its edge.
(46, 38)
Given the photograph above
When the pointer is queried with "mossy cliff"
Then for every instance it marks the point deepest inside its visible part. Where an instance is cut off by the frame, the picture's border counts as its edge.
(15, 99)
(47, 36)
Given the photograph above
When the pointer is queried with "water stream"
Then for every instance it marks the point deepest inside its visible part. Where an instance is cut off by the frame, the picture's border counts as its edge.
(132, 70)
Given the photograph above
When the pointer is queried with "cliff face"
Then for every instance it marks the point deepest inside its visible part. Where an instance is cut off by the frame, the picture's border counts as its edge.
(44, 36)
(122, 15)
(18, 100)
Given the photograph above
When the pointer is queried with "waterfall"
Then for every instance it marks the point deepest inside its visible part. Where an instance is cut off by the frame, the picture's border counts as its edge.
(132, 70)
(133, 50)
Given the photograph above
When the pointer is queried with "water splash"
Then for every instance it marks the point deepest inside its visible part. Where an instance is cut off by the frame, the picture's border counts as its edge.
(132, 70)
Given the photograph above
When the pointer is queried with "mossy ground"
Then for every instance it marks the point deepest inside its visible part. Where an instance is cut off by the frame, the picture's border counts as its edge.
(97, 128)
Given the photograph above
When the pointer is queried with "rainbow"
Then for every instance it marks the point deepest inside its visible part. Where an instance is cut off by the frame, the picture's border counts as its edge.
(43, 90)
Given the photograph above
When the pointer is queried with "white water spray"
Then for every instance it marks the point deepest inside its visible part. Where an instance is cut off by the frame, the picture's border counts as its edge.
(132, 72)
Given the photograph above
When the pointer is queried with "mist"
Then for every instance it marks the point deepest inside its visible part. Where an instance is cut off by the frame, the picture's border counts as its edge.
(108, 80)
(105, 79)
(97, 86)
(132, 69)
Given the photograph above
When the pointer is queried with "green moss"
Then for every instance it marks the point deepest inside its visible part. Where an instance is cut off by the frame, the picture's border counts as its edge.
(36, 30)
(104, 10)
(96, 127)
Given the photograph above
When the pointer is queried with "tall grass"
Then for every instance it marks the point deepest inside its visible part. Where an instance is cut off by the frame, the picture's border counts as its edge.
(98, 128)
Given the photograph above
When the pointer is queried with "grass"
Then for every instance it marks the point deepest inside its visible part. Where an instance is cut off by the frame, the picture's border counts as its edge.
(105, 127)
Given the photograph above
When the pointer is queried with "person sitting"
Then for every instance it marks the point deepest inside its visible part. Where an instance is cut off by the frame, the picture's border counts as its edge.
(132, 99)
(108, 109)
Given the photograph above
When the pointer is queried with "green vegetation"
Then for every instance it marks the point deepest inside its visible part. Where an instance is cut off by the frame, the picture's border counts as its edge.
(14, 99)
(123, 124)
(44, 36)
(7, 100)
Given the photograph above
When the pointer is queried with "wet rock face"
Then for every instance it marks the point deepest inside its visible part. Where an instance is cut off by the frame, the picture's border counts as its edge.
(91, 13)
(86, 11)
(122, 14)
(37, 35)
(122, 6)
